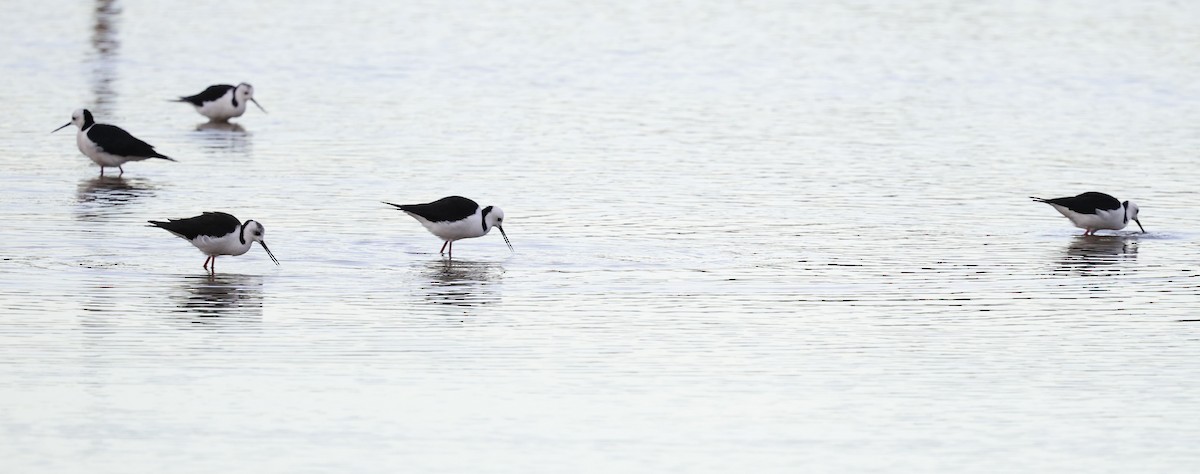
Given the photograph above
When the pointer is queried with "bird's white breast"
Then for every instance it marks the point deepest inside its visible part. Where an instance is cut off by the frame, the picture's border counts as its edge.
(222, 109)
(1102, 219)
(454, 230)
(98, 156)
(228, 244)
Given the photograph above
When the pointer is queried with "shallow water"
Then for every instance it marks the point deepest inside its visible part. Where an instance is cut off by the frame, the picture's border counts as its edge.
(749, 238)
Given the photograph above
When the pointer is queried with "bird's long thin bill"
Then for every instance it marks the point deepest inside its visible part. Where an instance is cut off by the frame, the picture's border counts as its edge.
(259, 106)
(273, 259)
(62, 127)
(502, 234)
(1139, 223)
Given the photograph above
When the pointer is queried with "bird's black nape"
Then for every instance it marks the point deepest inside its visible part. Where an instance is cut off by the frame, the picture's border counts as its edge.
(483, 214)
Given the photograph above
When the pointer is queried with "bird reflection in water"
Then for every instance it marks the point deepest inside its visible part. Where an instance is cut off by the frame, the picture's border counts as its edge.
(102, 196)
(221, 295)
(103, 60)
(462, 283)
(113, 190)
(1091, 255)
(223, 137)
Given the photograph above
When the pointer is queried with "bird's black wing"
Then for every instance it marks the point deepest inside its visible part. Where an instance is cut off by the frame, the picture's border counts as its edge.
(212, 224)
(1086, 203)
(453, 208)
(113, 139)
(209, 95)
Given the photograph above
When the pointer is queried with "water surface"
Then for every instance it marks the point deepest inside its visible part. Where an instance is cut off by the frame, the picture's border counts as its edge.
(768, 237)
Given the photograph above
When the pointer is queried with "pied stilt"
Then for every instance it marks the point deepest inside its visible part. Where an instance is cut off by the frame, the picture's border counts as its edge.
(222, 102)
(1092, 211)
(108, 145)
(217, 233)
(456, 217)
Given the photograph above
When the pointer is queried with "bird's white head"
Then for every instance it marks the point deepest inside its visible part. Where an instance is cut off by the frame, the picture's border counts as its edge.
(1131, 213)
(245, 92)
(494, 217)
(252, 231)
(81, 118)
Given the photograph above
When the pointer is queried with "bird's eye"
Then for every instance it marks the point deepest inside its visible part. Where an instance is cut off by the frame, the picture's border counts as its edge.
(258, 234)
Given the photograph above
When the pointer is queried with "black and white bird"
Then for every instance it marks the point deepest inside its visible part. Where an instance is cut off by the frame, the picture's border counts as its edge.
(1092, 211)
(108, 145)
(222, 102)
(456, 217)
(217, 233)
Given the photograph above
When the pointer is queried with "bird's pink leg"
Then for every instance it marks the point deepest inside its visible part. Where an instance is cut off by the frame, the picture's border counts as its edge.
(443, 250)
(450, 254)
(214, 270)
(206, 262)
(122, 173)
(102, 171)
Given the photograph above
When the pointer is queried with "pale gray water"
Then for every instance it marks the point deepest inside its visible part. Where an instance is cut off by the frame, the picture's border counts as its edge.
(768, 237)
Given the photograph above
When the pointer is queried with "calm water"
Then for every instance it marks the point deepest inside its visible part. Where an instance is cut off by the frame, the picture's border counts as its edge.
(766, 237)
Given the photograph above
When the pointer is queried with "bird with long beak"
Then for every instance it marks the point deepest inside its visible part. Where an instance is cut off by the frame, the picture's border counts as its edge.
(222, 102)
(455, 218)
(1092, 211)
(108, 145)
(217, 233)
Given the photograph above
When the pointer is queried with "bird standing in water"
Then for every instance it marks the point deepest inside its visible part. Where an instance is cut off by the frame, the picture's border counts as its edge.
(1092, 211)
(217, 233)
(222, 102)
(455, 218)
(108, 145)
